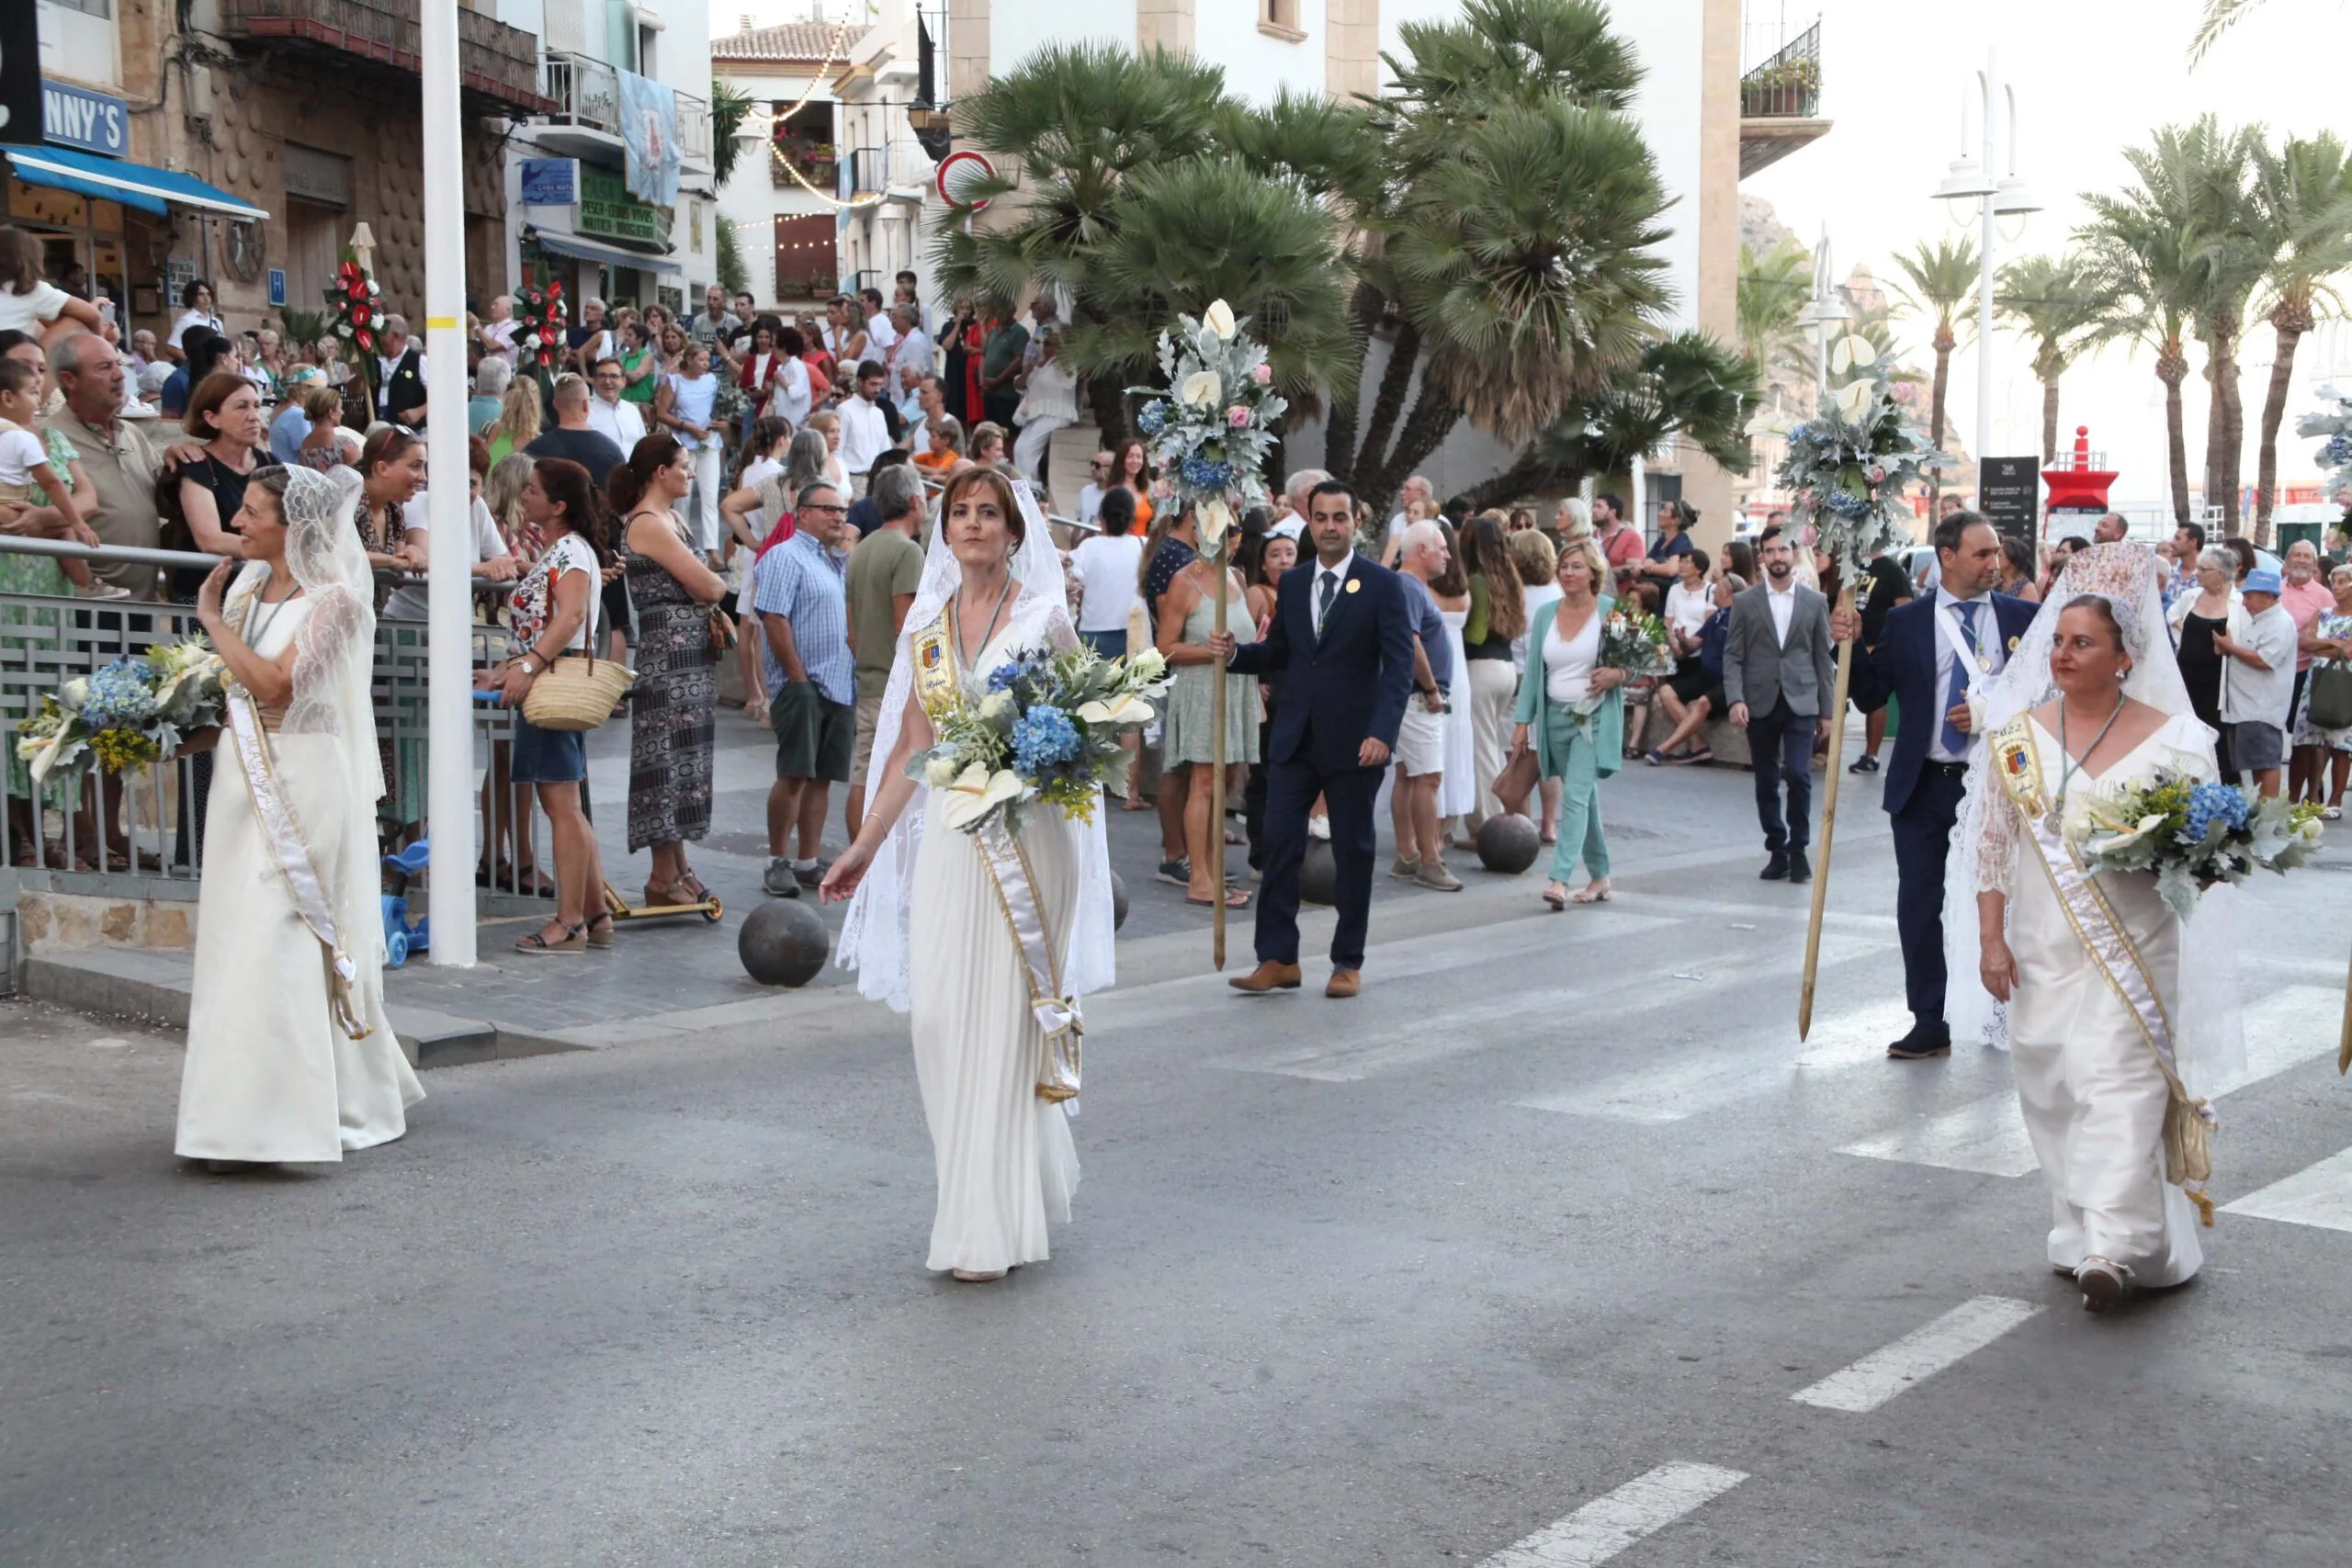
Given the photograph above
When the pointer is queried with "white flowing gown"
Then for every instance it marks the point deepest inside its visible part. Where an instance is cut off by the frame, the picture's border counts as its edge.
(269, 1077)
(2092, 1092)
(1006, 1161)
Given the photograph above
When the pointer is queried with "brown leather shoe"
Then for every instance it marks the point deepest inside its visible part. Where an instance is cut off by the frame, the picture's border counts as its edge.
(1344, 983)
(1268, 977)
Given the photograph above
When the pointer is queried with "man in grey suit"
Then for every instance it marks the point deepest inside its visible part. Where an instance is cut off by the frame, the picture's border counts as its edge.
(1781, 679)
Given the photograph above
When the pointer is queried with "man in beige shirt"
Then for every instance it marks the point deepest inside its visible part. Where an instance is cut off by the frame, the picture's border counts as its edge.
(118, 458)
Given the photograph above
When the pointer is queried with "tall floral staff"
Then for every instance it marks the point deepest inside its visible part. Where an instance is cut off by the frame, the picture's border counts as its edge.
(1849, 466)
(1211, 428)
(355, 315)
(540, 316)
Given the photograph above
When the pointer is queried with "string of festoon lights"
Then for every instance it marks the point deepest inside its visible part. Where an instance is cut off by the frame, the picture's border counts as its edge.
(769, 121)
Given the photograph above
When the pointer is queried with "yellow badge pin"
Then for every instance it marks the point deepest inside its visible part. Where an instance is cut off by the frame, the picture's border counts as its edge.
(1354, 583)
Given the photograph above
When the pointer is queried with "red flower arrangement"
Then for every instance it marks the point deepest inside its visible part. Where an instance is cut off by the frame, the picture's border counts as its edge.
(355, 315)
(540, 318)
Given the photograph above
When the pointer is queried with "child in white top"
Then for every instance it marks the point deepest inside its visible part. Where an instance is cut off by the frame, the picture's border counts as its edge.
(31, 304)
(24, 465)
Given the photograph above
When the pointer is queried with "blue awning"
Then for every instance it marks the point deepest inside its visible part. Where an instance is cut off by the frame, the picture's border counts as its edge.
(134, 184)
(611, 255)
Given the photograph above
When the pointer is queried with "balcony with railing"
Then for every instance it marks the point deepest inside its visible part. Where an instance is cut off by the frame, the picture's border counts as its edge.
(1780, 102)
(498, 66)
(584, 119)
(862, 174)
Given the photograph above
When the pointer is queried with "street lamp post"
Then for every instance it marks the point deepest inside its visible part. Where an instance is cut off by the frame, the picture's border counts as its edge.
(1996, 197)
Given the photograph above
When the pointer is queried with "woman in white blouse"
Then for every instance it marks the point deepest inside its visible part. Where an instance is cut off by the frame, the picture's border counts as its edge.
(1572, 711)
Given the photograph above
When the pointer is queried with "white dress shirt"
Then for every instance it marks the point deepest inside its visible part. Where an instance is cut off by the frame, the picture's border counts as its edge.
(1315, 587)
(880, 335)
(913, 347)
(864, 434)
(1782, 602)
(1987, 626)
(618, 422)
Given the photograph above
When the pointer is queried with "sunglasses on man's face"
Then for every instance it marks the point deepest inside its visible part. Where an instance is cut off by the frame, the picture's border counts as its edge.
(821, 506)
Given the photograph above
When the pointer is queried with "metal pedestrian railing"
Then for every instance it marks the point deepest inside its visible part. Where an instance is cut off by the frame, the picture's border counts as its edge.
(139, 833)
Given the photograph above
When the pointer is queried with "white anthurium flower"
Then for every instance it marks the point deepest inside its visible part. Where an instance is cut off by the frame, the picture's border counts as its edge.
(1120, 710)
(1218, 318)
(977, 792)
(939, 772)
(1854, 400)
(1769, 421)
(2123, 837)
(1212, 523)
(1850, 351)
(1148, 665)
(1201, 388)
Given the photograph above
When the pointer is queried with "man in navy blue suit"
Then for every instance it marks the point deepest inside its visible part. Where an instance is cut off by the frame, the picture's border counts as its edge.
(1343, 638)
(1933, 652)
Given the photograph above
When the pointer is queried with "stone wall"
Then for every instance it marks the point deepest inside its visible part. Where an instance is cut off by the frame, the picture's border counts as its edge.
(51, 921)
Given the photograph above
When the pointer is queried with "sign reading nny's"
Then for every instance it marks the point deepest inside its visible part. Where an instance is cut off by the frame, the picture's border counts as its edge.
(74, 116)
(19, 72)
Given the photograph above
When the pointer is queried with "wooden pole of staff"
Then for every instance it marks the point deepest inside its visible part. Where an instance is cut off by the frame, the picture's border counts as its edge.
(2344, 1042)
(1829, 826)
(1216, 846)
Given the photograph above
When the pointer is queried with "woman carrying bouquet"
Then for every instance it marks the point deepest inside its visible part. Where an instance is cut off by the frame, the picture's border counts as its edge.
(290, 1054)
(2108, 1049)
(1572, 711)
(991, 588)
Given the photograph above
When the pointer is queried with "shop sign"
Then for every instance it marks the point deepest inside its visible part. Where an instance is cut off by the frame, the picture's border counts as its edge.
(608, 210)
(550, 182)
(76, 117)
(2008, 493)
(277, 287)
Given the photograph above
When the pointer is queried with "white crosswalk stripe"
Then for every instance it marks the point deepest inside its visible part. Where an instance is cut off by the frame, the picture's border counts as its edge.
(2317, 1195)
(1918, 1355)
(1608, 1524)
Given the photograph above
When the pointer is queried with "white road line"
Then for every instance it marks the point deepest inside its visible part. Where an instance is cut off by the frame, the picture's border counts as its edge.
(2317, 1195)
(1988, 1135)
(1918, 1355)
(1608, 1525)
(1984, 1135)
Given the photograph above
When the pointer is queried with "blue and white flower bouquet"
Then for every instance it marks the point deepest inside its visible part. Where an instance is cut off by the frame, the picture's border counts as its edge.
(1212, 427)
(1850, 464)
(1048, 729)
(2191, 833)
(126, 712)
(2334, 456)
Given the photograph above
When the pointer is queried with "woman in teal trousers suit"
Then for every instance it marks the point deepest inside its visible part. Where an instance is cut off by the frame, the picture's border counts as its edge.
(1563, 673)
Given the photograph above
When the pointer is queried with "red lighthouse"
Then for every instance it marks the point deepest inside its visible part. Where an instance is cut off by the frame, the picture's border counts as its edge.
(2078, 484)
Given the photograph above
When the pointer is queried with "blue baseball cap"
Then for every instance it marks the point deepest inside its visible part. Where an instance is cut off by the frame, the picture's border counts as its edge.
(2262, 581)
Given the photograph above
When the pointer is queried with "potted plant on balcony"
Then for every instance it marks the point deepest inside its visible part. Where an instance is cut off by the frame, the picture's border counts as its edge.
(814, 160)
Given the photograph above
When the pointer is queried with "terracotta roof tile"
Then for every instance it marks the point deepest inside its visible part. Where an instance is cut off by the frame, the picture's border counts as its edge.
(792, 40)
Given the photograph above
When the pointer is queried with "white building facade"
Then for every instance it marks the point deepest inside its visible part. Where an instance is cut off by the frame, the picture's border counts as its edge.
(887, 181)
(780, 200)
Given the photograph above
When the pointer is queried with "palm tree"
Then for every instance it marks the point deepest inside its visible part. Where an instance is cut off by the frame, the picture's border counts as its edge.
(2058, 305)
(1690, 388)
(2302, 204)
(1506, 255)
(1939, 279)
(1773, 289)
(1070, 126)
(2219, 16)
(728, 106)
(2139, 263)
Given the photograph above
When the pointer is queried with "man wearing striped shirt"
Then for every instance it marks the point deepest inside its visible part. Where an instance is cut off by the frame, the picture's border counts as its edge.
(800, 595)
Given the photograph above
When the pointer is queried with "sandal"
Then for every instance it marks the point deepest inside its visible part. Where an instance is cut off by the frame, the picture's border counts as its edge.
(600, 930)
(1556, 894)
(1595, 892)
(665, 895)
(575, 938)
(691, 884)
(1235, 898)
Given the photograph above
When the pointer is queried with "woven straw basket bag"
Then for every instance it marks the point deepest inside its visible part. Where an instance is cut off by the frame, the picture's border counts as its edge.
(576, 691)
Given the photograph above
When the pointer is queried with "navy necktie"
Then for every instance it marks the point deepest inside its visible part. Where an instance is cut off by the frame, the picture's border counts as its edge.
(1330, 590)
(1962, 672)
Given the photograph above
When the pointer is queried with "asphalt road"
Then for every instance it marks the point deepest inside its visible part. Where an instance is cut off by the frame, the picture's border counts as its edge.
(1556, 1236)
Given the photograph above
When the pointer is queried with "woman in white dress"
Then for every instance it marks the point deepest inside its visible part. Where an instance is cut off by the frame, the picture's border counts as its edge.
(290, 1054)
(991, 587)
(2111, 1036)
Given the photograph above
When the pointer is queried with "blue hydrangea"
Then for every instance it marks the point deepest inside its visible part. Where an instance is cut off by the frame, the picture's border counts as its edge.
(1154, 418)
(1205, 473)
(1042, 739)
(2338, 450)
(2210, 802)
(1844, 505)
(1000, 679)
(120, 696)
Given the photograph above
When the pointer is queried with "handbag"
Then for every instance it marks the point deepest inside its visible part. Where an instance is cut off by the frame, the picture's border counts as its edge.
(577, 691)
(1517, 780)
(2330, 693)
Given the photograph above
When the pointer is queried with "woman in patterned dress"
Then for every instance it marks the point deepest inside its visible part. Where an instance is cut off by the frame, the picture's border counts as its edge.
(677, 683)
(2332, 634)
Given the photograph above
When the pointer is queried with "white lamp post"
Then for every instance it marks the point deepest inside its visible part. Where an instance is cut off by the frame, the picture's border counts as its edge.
(1995, 196)
(1824, 313)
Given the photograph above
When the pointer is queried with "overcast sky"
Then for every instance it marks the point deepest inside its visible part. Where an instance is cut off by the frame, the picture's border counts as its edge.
(2092, 77)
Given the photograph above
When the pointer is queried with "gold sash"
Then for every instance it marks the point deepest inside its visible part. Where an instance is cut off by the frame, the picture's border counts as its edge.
(941, 691)
(2188, 1122)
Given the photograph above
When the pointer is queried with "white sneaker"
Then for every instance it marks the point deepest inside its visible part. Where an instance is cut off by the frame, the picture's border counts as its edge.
(102, 590)
(1320, 828)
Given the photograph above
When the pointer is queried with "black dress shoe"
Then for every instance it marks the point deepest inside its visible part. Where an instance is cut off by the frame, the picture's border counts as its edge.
(1775, 868)
(1800, 868)
(1925, 1040)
